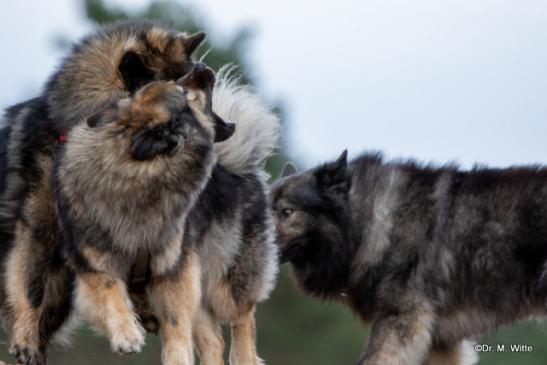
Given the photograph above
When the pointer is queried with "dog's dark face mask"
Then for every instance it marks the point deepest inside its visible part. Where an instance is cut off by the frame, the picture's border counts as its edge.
(159, 55)
(163, 140)
(161, 115)
(312, 219)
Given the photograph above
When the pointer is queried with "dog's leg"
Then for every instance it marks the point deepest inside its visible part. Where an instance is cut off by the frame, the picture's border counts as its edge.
(25, 293)
(56, 305)
(208, 339)
(175, 300)
(39, 294)
(402, 339)
(38, 284)
(461, 353)
(103, 300)
(243, 348)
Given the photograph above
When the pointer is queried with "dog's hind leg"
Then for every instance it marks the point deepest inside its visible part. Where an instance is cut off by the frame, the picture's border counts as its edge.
(461, 353)
(38, 284)
(56, 304)
(243, 347)
(25, 282)
(400, 337)
(208, 339)
(175, 299)
(103, 300)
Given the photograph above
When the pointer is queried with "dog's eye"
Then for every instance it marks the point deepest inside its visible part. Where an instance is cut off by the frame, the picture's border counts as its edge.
(286, 213)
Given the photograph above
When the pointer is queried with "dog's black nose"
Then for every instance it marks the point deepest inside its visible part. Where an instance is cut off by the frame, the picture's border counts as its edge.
(230, 128)
(223, 131)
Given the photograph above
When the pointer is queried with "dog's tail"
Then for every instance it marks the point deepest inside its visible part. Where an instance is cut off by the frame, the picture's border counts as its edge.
(257, 126)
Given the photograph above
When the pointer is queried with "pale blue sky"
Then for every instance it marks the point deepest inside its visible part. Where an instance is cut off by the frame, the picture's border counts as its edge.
(448, 80)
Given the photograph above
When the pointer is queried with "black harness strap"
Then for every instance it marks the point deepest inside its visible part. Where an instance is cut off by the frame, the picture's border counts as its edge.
(140, 272)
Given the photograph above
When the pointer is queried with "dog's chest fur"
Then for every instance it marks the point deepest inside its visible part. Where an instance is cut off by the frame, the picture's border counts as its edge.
(138, 205)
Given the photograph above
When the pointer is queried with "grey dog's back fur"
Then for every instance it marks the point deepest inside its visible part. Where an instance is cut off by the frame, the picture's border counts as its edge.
(485, 226)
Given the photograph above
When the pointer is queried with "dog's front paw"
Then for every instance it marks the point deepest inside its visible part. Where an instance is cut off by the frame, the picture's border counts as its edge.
(27, 356)
(128, 338)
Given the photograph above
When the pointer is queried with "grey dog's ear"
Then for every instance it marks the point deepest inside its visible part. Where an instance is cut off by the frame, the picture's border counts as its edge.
(288, 170)
(333, 177)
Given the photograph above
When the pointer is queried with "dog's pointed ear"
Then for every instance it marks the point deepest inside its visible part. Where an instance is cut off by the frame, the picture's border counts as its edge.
(104, 116)
(200, 77)
(333, 177)
(192, 42)
(288, 170)
(134, 71)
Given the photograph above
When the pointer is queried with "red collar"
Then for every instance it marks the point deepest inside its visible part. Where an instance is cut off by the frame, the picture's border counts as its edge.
(62, 135)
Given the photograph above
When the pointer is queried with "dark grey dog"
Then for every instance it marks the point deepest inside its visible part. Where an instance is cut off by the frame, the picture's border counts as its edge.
(430, 256)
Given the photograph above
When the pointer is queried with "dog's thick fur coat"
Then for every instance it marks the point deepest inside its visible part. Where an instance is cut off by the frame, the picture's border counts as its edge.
(233, 227)
(431, 256)
(37, 285)
(230, 225)
(125, 186)
(107, 65)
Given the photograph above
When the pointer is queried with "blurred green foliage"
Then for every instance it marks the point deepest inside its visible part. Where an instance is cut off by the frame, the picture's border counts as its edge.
(292, 329)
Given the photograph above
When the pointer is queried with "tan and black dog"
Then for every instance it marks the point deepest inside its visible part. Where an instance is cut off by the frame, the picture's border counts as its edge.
(110, 64)
(126, 181)
(228, 233)
(128, 184)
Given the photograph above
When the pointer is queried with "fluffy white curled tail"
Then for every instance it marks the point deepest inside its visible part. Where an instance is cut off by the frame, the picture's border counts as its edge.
(257, 126)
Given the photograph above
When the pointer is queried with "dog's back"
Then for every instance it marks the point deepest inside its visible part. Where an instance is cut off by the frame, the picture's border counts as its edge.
(478, 236)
